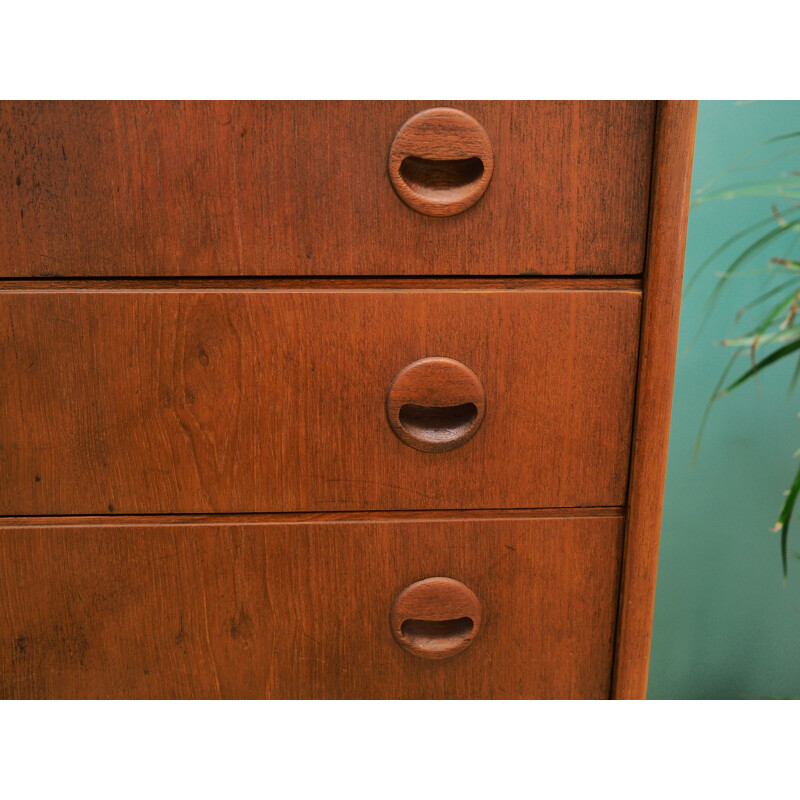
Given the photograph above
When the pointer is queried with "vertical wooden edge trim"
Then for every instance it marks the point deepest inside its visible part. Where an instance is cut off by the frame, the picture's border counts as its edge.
(669, 211)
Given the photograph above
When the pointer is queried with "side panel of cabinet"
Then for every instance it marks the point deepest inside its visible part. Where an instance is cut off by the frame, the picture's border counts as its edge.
(263, 609)
(254, 188)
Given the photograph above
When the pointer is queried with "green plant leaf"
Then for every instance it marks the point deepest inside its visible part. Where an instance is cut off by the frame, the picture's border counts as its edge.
(786, 262)
(773, 314)
(777, 355)
(717, 393)
(714, 397)
(790, 335)
(756, 147)
(750, 250)
(777, 328)
(761, 298)
(730, 241)
(784, 518)
(782, 138)
(763, 162)
(793, 381)
(785, 188)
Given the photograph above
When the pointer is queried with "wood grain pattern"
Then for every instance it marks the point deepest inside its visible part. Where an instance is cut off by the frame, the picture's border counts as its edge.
(191, 402)
(672, 173)
(188, 342)
(284, 611)
(110, 189)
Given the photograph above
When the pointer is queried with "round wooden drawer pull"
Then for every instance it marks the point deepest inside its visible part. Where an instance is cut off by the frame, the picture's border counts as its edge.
(441, 162)
(436, 617)
(435, 404)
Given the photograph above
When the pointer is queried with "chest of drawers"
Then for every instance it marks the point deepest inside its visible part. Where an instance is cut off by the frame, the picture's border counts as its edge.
(335, 400)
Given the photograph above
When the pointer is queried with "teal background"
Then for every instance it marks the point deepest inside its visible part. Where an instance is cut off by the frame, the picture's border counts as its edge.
(726, 626)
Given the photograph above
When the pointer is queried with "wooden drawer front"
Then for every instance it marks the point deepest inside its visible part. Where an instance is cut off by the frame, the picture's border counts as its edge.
(276, 610)
(150, 400)
(254, 188)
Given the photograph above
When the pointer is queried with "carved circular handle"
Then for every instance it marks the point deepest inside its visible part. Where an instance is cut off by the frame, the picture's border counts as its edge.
(441, 162)
(436, 617)
(435, 404)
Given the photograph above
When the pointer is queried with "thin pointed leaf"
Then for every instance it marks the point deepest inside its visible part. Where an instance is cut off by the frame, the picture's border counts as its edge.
(784, 518)
(782, 138)
(786, 262)
(795, 377)
(766, 322)
(787, 187)
(761, 298)
(730, 168)
(764, 161)
(760, 331)
(769, 269)
(750, 250)
(730, 241)
(761, 328)
(707, 413)
(790, 335)
(777, 355)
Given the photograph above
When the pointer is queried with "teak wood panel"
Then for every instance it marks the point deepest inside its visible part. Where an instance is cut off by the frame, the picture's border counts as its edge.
(672, 177)
(209, 610)
(240, 401)
(110, 189)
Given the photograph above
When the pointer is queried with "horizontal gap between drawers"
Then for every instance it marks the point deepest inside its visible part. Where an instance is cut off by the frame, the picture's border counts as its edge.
(307, 518)
(348, 284)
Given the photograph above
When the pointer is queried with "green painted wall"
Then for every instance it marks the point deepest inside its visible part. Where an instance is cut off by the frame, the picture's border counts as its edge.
(725, 624)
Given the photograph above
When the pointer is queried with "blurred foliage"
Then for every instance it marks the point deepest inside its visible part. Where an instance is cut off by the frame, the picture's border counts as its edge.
(772, 244)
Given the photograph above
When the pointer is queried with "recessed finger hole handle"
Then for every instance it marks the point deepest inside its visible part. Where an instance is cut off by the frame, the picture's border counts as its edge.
(436, 617)
(435, 404)
(441, 162)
